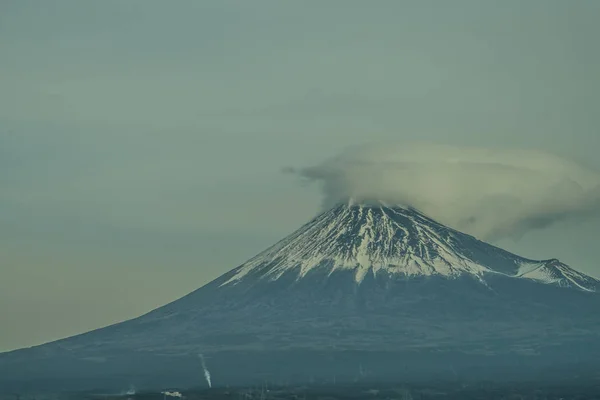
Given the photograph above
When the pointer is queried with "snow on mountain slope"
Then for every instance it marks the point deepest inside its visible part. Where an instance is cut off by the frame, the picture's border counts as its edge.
(397, 241)
(554, 272)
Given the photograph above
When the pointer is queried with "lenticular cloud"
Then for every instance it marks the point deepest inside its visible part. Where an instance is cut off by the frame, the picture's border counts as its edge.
(489, 193)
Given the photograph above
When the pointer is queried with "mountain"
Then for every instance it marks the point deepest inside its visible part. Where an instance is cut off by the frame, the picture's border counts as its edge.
(359, 292)
(397, 242)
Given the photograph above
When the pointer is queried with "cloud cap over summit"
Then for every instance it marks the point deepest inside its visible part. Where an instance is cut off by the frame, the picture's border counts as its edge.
(488, 193)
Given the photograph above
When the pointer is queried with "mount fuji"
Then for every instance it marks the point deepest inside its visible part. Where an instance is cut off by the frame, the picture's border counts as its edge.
(362, 291)
(397, 242)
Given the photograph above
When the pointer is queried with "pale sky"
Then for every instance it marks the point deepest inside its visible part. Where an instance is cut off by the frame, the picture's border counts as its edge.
(142, 142)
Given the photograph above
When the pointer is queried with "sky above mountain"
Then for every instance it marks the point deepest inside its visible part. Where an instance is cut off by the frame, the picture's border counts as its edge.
(142, 143)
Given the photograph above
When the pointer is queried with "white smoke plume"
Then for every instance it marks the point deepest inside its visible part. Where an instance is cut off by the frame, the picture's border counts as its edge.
(130, 391)
(206, 372)
(487, 193)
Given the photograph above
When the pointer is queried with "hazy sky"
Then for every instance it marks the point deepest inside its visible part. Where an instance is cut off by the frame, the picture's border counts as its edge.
(142, 142)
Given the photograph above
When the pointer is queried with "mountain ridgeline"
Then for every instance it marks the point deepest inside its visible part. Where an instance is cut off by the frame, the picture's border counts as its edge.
(359, 292)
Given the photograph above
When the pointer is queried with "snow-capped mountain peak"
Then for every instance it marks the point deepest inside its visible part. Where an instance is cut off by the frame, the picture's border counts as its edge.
(394, 240)
(357, 282)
